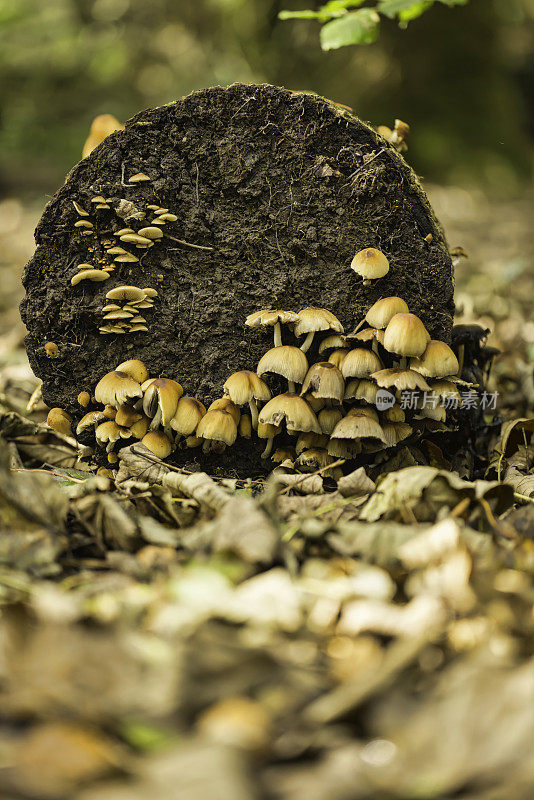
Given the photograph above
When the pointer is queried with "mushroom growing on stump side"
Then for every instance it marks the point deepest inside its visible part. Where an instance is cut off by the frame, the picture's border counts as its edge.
(310, 320)
(246, 387)
(268, 317)
(381, 312)
(218, 430)
(371, 264)
(287, 361)
(406, 335)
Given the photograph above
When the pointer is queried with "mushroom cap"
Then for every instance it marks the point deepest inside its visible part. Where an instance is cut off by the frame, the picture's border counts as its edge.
(157, 443)
(367, 335)
(126, 416)
(135, 369)
(107, 432)
(245, 426)
(363, 411)
(84, 398)
(163, 393)
(395, 432)
(361, 389)
(332, 342)
(324, 380)
(89, 275)
(328, 419)
(406, 335)
(358, 426)
(217, 425)
(59, 420)
(394, 414)
(266, 430)
(291, 409)
(287, 361)
(116, 387)
(370, 263)
(188, 414)
(381, 312)
(445, 389)
(125, 293)
(151, 232)
(344, 448)
(90, 419)
(437, 361)
(401, 379)
(337, 357)
(308, 440)
(244, 386)
(270, 317)
(313, 459)
(226, 404)
(360, 363)
(316, 319)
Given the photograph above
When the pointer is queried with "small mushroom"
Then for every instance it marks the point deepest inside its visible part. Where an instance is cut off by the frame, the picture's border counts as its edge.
(126, 416)
(218, 430)
(84, 398)
(268, 431)
(139, 177)
(406, 335)
(291, 409)
(116, 388)
(160, 401)
(438, 361)
(328, 419)
(226, 404)
(60, 421)
(360, 363)
(305, 441)
(273, 319)
(83, 223)
(107, 433)
(245, 427)
(310, 320)
(361, 389)
(325, 382)
(125, 293)
(135, 369)
(371, 264)
(381, 312)
(401, 379)
(51, 350)
(89, 420)
(287, 361)
(246, 387)
(150, 232)
(80, 210)
(89, 275)
(337, 357)
(187, 416)
(158, 444)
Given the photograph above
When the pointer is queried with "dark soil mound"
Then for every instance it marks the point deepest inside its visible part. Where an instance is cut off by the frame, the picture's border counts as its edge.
(283, 188)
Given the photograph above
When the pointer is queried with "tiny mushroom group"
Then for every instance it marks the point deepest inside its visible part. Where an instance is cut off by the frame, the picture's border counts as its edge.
(331, 406)
(125, 308)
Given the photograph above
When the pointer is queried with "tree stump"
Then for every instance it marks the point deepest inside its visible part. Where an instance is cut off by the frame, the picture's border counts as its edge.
(273, 192)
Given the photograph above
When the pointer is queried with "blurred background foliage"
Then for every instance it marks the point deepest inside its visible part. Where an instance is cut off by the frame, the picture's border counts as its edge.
(462, 77)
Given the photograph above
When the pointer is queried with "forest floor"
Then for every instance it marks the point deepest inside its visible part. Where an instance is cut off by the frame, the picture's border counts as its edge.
(166, 637)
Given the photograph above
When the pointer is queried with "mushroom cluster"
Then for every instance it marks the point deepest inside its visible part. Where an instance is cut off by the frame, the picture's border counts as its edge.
(350, 406)
(124, 309)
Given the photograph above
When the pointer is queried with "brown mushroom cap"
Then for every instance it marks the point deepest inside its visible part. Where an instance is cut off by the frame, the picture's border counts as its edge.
(438, 361)
(107, 432)
(244, 386)
(127, 415)
(287, 361)
(370, 263)
(316, 319)
(157, 443)
(337, 357)
(187, 416)
(360, 363)
(116, 388)
(406, 335)
(217, 425)
(324, 380)
(291, 409)
(381, 312)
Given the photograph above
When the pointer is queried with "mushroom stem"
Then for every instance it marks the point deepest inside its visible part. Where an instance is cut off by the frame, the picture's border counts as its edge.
(268, 447)
(306, 344)
(277, 335)
(156, 419)
(374, 346)
(359, 325)
(403, 362)
(461, 356)
(291, 387)
(253, 413)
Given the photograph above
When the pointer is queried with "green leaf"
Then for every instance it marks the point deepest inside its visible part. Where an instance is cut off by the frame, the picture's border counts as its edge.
(415, 11)
(454, 2)
(357, 27)
(336, 8)
(300, 15)
(390, 8)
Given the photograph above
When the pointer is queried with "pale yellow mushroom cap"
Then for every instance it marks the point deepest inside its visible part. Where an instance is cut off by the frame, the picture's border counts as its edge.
(360, 363)
(225, 404)
(291, 409)
(358, 426)
(59, 420)
(438, 361)
(135, 369)
(316, 319)
(269, 317)
(116, 388)
(383, 310)
(188, 414)
(370, 263)
(162, 393)
(243, 386)
(287, 361)
(217, 425)
(401, 379)
(324, 380)
(406, 335)
(157, 443)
